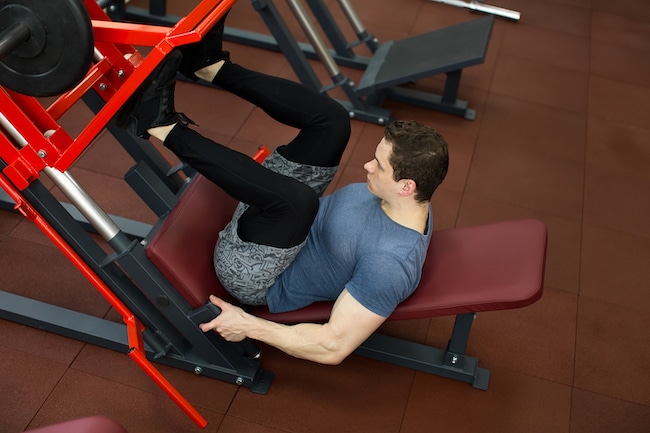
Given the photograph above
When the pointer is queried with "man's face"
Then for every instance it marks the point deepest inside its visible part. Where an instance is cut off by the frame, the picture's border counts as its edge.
(380, 172)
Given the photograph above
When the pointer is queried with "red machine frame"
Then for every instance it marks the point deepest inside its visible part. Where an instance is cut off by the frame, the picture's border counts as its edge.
(117, 72)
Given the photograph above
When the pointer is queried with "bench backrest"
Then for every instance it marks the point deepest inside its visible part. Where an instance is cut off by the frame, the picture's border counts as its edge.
(470, 269)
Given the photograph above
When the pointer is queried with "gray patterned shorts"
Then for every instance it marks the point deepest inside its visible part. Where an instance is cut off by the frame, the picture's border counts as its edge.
(246, 269)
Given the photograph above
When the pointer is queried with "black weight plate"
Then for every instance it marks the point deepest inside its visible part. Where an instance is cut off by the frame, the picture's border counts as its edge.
(60, 49)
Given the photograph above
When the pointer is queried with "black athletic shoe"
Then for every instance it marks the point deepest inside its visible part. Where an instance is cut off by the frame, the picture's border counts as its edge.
(152, 104)
(204, 53)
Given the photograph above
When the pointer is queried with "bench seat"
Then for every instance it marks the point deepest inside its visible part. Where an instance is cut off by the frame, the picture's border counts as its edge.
(91, 424)
(468, 270)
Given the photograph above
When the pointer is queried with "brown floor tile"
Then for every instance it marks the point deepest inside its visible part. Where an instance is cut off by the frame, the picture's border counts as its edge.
(8, 222)
(615, 267)
(514, 403)
(619, 102)
(358, 395)
(520, 124)
(612, 354)
(260, 127)
(364, 138)
(378, 15)
(616, 200)
(445, 205)
(30, 232)
(532, 81)
(437, 15)
(25, 383)
(43, 273)
(637, 9)
(505, 172)
(265, 61)
(546, 46)
(173, 8)
(119, 367)
(612, 61)
(76, 119)
(614, 29)
(538, 340)
(202, 104)
(105, 156)
(618, 147)
(42, 344)
(412, 330)
(595, 413)
(79, 394)
(585, 4)
(232, 424)
(345, 176)
(572, 17)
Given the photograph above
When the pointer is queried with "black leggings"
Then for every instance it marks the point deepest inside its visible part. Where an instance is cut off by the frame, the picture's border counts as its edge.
(281, 209)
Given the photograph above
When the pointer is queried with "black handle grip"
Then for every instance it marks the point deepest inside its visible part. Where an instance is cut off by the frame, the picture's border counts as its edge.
(209, 311)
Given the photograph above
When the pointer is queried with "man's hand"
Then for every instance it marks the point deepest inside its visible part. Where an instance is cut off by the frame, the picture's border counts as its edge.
(350, 325)
(231, 324)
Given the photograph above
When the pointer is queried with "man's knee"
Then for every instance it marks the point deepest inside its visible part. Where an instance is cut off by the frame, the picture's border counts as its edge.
(339, 118)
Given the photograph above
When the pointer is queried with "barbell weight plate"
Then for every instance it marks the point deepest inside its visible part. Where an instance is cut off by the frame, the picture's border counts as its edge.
(59, 51)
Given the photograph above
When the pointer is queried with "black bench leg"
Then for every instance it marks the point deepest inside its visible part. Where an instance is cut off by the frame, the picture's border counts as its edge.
(450, 93)
(451, 363)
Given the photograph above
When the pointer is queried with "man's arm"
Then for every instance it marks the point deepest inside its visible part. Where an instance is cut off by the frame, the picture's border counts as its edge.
(350, 325)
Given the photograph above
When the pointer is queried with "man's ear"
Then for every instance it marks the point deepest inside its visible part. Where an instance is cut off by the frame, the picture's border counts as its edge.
(407, 187)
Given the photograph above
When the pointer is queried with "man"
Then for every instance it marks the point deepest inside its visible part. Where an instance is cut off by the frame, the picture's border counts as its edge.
(362, 247)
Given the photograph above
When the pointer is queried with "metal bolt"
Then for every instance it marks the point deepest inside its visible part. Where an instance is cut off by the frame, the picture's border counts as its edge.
(454, 359)
(102, 86)
(351, 114)
(198, 370)
(120, 73)
(42, 153)
(239, 380)
(381, 120)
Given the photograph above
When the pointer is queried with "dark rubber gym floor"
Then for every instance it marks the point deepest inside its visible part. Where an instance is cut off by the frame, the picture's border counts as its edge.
(561, 134)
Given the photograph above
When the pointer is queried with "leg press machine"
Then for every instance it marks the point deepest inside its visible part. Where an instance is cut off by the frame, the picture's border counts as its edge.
(158, 288)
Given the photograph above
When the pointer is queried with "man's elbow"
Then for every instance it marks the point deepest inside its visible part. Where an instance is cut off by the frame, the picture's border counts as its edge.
(334, 355)
(332, 359)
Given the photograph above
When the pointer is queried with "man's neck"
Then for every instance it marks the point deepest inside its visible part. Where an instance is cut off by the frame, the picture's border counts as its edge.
(410, 214)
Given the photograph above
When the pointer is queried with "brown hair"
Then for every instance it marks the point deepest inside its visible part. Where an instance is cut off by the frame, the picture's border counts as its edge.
(418, 153)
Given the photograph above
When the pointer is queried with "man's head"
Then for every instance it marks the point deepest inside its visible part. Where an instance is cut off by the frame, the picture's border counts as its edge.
(416, 153)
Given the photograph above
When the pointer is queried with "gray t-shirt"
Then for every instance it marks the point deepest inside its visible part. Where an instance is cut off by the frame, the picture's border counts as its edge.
(353, 244)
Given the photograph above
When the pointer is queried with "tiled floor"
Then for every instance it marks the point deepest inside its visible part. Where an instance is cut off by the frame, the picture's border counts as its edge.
(562, 134)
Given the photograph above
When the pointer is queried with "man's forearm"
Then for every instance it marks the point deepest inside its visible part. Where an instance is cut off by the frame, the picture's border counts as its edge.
(314, 342)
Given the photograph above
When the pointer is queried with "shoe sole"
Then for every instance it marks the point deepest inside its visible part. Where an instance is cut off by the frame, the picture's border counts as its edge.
(124, 113)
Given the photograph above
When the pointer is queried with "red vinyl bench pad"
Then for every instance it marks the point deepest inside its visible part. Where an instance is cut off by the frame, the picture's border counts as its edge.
(468, 270)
